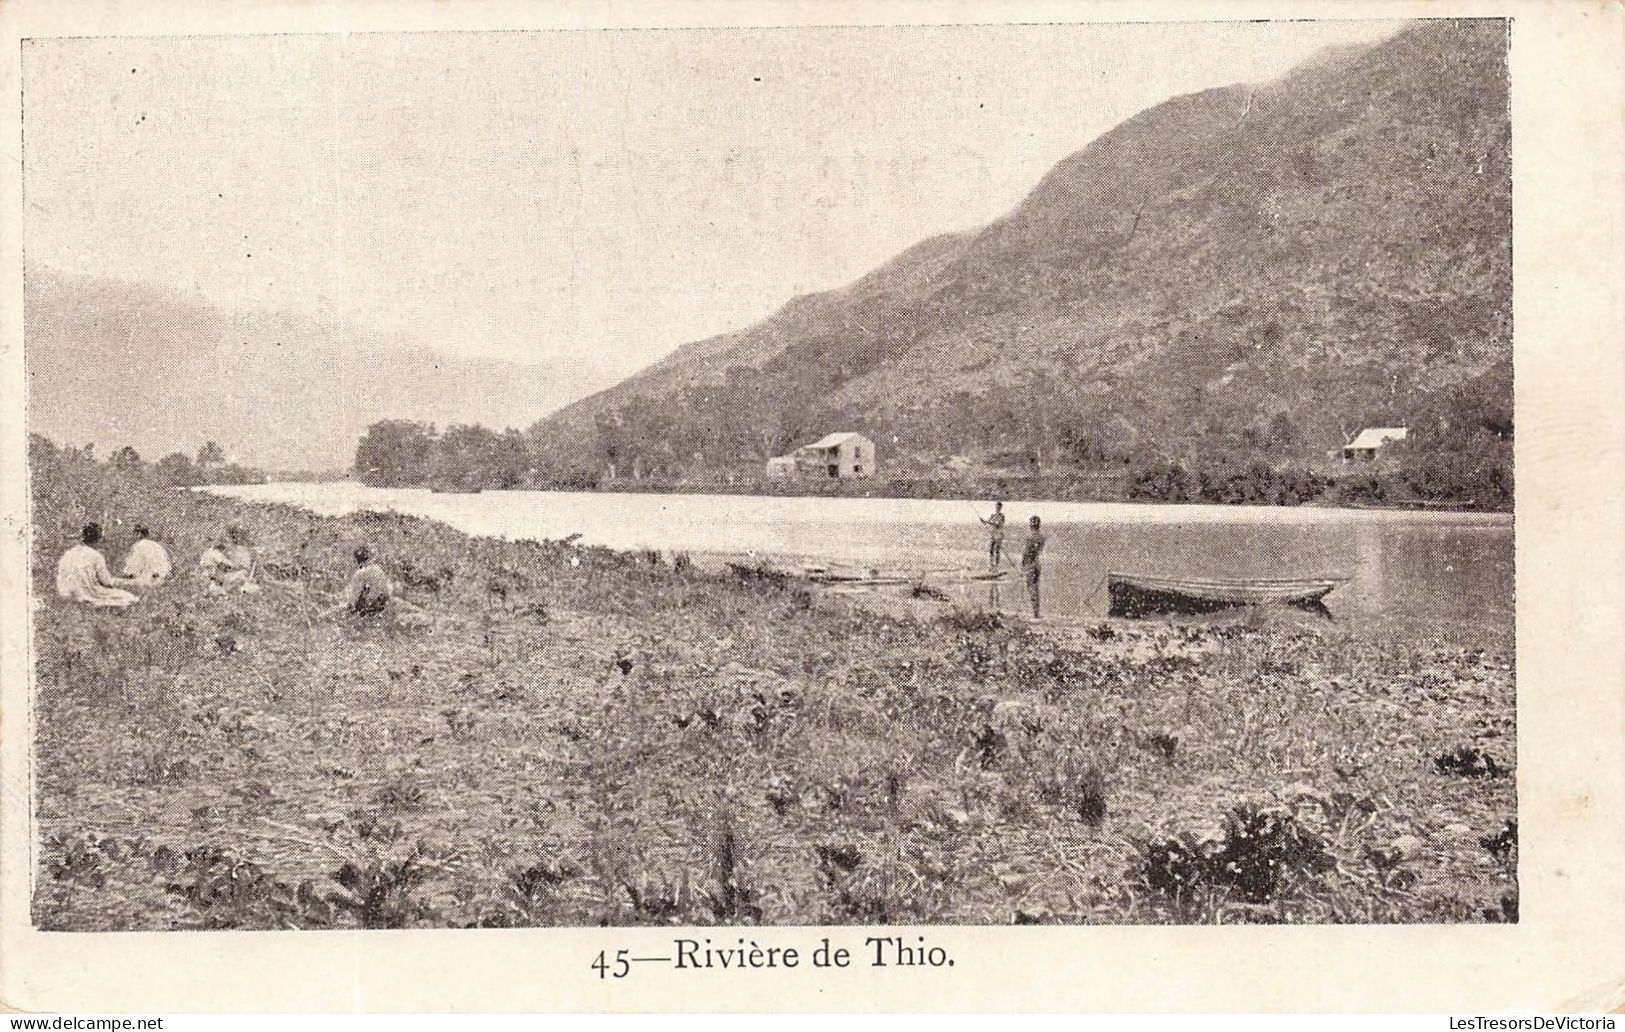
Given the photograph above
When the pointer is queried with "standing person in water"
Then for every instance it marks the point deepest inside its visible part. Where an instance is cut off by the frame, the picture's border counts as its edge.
(995, 536)
(1032, 560)
(82, 574)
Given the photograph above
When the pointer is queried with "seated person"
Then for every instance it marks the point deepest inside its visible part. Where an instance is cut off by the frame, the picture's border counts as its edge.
(82, 574)
(369, 592)
(229, 564)
(147, 563)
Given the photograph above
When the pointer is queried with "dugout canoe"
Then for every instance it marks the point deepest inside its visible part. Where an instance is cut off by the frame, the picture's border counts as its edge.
(873, 578)
(1135, 594)
(880, 578)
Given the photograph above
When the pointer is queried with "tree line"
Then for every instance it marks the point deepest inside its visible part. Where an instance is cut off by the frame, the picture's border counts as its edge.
(1039, 430)
(175, 469)
(463, 457)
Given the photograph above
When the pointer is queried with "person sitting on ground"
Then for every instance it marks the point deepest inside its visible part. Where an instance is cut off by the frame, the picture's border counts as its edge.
(82, 574)
(146, 563)
(369, 592)
(229, 563)
(242, 557)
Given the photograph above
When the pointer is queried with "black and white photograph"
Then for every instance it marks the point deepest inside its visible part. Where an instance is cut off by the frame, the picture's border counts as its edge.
(812, 475)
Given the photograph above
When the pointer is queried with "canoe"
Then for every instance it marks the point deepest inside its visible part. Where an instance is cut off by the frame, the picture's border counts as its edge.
(1134, 594)
(826, 575)
(1416, 505)
(873, 577)
(853, 576)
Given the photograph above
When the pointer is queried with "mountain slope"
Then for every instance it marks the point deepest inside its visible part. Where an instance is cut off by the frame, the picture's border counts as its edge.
(1247, 268)
(119, 363)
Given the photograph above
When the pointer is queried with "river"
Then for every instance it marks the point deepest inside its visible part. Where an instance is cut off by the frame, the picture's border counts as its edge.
(1449, 573)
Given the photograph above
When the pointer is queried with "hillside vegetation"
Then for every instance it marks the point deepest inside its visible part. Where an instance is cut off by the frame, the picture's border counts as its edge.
(1244, 275)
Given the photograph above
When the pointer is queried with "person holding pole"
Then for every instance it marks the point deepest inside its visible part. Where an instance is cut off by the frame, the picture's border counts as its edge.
(995, 537)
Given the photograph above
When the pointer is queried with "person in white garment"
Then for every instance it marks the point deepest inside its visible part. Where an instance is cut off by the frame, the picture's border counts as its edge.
(82, 574)
(228, 565)
(147, 563)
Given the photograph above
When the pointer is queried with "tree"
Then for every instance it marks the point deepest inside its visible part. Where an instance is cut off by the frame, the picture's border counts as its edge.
(513, 459)
(1282, 436)
(41, 451)
(395, 453)
(211, 454)
(466, 457)
(127, 458)
(176, 469)
(611, 440)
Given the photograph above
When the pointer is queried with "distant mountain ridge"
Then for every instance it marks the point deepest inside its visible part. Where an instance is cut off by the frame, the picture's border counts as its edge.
(118, 363)
(1256, 268)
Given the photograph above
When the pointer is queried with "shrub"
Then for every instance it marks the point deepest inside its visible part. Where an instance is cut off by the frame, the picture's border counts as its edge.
(1090, 796)
(1163, 745)
(221, 890)
(1503, 843)
(1468, 761)
(1260, 856)
(731, 900)
(1069, 782)
(1506, 912)
(973, 622)
(379, 891)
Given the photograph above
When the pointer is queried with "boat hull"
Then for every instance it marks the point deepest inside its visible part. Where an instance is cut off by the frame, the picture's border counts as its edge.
(1135, 595)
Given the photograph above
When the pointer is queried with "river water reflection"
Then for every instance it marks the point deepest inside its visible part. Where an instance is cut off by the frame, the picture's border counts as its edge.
(1443, 572)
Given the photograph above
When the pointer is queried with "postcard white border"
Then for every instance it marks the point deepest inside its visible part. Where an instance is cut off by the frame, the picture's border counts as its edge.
(1568, 952)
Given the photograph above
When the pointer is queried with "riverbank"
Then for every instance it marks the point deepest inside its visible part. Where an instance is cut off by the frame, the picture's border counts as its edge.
(1444, 575)
(1366, 488)
(590, 736)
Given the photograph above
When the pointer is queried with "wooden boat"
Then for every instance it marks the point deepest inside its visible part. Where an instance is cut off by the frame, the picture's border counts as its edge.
(879, 578)
(1134, 594)
(852, 577)
(874, 578)
(1417, 505)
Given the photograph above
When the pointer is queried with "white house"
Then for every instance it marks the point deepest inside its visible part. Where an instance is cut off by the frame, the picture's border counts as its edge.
(1369, 441)
(843, 456)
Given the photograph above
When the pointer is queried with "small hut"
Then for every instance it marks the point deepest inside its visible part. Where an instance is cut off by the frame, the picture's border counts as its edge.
(1371, 440)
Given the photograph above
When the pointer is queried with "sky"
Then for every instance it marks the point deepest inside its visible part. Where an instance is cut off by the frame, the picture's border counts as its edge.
(595, 198)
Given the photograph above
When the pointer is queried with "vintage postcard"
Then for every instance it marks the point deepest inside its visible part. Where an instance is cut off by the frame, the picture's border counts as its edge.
(785, 507)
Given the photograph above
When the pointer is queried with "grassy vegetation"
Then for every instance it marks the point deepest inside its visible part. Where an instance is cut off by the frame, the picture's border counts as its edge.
(589, 736)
